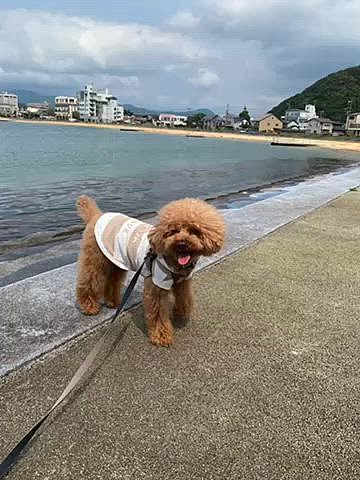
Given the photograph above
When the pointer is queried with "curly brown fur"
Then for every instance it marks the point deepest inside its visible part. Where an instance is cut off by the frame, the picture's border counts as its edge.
(98, 278)
(184, 303)
(187, 229)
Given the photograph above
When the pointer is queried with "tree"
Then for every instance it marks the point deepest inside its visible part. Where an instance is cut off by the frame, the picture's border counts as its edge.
(195, 120)
(76, 115)
(244, 115)
(330, 93)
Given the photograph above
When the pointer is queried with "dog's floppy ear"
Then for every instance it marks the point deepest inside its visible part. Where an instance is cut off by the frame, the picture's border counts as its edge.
(157, 238)
(212, 244)
(213, 237)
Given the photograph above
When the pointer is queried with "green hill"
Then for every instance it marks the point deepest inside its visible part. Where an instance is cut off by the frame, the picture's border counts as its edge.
(331, 95)
(28, 96)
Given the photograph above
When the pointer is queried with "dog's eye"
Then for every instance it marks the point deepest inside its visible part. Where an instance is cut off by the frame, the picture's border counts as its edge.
(171, 232)
(195, 231)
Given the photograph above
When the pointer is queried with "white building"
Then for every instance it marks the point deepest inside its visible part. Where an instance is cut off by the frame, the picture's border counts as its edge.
(37, 109)
(353, 124)
(171, 120)
(240, 123)
(301, 117)
(65, 107)
(108, 110)
(9, 105)
(294, 126)
(99, 106)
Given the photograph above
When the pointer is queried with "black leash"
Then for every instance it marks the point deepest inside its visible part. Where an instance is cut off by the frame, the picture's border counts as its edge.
(15, 454)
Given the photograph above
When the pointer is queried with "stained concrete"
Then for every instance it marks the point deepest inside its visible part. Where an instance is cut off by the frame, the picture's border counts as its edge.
(27, 264)
(39, 314)
(262, 384)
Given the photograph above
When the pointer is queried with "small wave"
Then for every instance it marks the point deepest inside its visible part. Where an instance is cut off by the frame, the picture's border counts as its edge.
(136, 197)
(50, 237)
(40, 238)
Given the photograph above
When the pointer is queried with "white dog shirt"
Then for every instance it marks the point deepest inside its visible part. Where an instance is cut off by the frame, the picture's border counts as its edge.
(125, 242)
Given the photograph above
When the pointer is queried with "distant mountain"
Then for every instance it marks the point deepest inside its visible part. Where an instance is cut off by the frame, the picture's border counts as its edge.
(147, 111)
(28, 96)
(330, 95)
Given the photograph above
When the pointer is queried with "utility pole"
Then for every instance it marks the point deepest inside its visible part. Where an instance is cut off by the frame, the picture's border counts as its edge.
(348, 111)
(348, 108)
(227, 114)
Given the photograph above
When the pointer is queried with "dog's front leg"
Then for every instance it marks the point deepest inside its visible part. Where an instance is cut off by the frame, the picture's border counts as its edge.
(183, 302)
(156, 303)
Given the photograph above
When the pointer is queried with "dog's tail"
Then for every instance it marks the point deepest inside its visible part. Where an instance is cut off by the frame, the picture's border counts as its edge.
(87, 208)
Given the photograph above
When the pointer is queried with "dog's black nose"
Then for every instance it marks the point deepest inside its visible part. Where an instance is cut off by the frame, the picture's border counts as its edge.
(181, 246)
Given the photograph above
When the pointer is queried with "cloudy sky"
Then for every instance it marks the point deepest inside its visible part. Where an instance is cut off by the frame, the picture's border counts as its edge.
(177, 53)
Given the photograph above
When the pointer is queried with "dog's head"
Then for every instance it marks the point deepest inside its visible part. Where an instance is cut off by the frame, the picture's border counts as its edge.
(186, 230)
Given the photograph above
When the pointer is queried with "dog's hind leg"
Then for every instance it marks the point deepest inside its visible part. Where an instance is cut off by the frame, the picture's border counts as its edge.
(93, 270)
(114, 283)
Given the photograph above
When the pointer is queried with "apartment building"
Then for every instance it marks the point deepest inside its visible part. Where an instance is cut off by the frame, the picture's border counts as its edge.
(9, 105)
(99, 106)
(65, 107)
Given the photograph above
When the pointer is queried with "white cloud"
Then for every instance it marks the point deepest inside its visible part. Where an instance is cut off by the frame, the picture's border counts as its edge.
(205, 78)
(281, 21)
(176, 68)
(184, 21)
(64, 79)
(60, 45)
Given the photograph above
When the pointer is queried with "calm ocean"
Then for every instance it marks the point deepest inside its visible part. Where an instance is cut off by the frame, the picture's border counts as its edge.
(44, 168)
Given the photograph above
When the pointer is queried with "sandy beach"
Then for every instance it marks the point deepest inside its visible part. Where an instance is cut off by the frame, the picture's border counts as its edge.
(332, 144)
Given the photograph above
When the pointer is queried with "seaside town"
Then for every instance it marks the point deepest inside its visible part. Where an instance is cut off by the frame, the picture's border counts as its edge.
(100, 106)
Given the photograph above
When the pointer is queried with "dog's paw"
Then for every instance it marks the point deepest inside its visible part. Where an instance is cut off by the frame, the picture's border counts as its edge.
(180, 321)
(90, 307)
(110, 304)
(162, 338)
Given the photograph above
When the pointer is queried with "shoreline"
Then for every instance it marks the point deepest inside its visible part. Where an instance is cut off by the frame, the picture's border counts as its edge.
(311, 142)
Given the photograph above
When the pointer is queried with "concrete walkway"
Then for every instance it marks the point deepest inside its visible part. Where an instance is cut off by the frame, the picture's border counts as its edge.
(46, 318)
(262, 384)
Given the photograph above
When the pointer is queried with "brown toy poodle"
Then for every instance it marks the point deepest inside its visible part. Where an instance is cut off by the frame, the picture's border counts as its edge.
(114, 243)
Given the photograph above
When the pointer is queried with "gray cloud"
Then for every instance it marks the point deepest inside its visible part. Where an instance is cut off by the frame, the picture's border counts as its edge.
(209, 54)
(205, 78)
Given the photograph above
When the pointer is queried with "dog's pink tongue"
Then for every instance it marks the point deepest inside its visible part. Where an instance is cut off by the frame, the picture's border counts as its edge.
(184, 259)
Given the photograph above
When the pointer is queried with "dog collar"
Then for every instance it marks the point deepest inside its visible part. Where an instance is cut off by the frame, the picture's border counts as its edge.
(163, 276)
